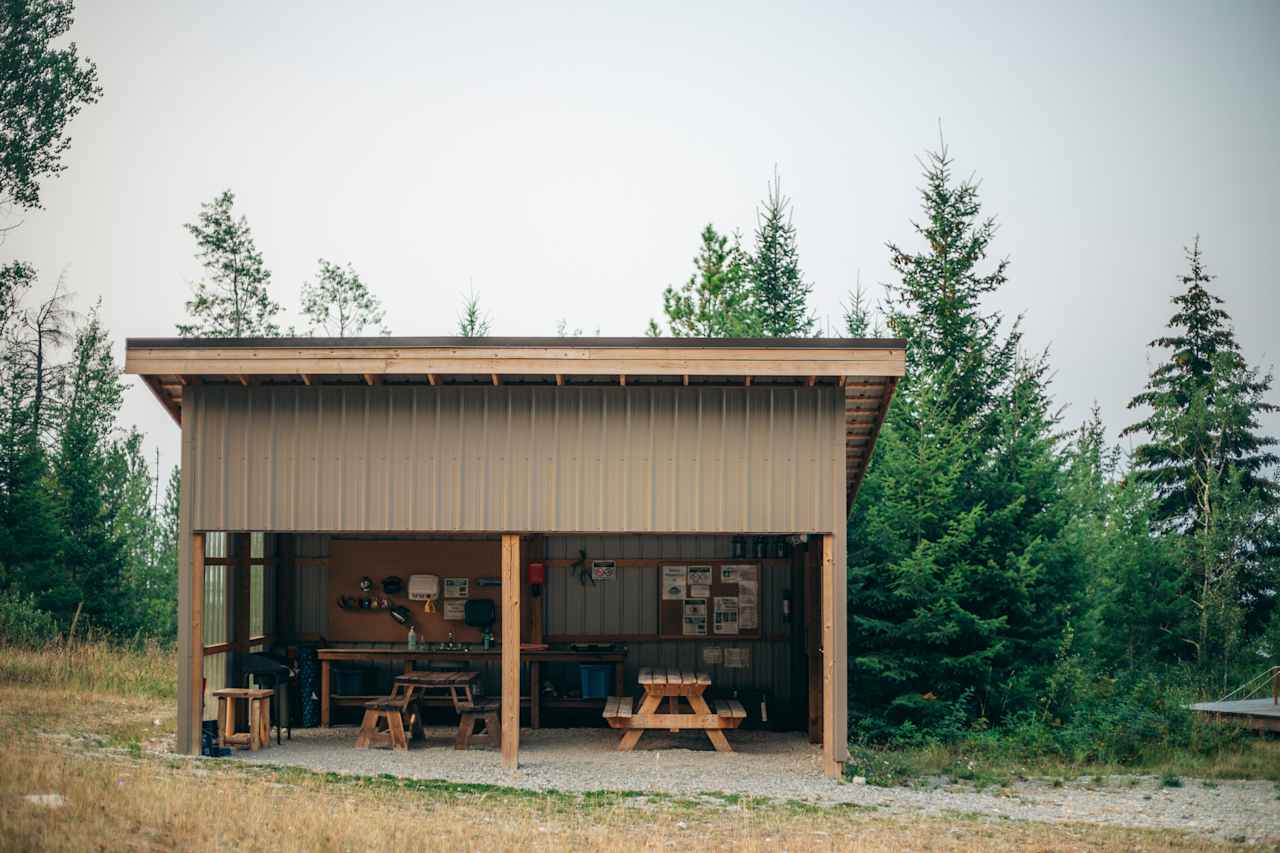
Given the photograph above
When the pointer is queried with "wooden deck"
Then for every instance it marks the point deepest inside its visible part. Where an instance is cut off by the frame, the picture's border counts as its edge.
(1263, 714)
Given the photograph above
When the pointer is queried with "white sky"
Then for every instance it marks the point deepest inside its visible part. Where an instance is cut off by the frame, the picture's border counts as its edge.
(563, 161)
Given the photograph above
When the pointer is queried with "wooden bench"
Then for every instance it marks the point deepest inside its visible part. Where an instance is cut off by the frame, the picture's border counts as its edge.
(392, 712)
(487, 710)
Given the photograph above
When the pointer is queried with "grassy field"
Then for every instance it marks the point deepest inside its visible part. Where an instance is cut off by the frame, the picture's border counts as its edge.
(85, 724)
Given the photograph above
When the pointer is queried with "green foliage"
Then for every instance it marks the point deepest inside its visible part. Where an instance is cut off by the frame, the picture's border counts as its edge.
(960, 586)
(232, 300)
(1181, 443)
(42, 88)
(340, 305)
(718, 300)
(779, 291)
(23, 623)
(472, 322)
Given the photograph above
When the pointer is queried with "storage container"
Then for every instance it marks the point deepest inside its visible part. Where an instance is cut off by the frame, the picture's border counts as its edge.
(595, 680)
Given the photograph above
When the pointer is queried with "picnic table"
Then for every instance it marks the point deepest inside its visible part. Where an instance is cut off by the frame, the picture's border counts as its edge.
(676, 686)
(457, 684)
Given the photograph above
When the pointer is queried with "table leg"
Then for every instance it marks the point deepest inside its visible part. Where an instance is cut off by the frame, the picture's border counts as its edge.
(717, 738)
(324, 694)
(255, 723)
(618, 685)
(631, 736)
(535, 694)
(222, 721)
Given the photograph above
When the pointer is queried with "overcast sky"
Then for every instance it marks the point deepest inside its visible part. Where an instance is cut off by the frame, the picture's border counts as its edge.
(563, 161)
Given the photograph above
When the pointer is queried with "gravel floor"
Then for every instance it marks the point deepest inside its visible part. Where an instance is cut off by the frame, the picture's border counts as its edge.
(785, 767)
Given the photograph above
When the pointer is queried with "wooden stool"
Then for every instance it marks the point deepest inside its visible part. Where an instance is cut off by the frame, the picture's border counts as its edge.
(258, 706)
(392, 712)
(488, 710)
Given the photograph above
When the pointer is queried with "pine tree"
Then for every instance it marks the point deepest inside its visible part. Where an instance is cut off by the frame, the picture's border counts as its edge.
(232, 301)
(716, 301)
(1175, 451)
(340, 305)
(960, 587)
(857, 315)
(779, 290)
(472, 322)
(92, 555)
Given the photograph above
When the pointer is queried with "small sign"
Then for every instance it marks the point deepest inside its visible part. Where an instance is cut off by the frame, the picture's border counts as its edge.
(695, 617)
(603, 570)
(700, 575)
(455, 610)
(673, 583)
(726, 614)
(712, 655)
(455, 587)
(737, 658)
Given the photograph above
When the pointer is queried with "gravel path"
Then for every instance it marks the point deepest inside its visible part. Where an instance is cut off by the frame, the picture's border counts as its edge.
(786, 767)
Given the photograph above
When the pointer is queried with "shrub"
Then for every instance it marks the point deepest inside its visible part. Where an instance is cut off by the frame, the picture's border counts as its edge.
(22, 623)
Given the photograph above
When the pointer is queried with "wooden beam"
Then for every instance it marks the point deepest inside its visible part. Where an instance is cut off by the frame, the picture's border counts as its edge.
(686, 379)
(371, 378)
(559, 378)
(622, 379)
(497, 380)
(510, 651)
(830, 760)
(533, 359)
(306, 379)
(746, 380)
(811, 381)
(244, 380)
(196, 664)
(433, 379)
(841, 380)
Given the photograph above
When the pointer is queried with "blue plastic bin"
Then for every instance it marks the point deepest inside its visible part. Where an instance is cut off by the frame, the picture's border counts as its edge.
(595, 680)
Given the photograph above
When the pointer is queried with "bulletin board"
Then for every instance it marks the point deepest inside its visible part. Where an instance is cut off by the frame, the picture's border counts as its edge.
(352, 559)
(730, 607)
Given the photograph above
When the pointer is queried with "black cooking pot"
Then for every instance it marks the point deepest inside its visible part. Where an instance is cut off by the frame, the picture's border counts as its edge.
(392, 585)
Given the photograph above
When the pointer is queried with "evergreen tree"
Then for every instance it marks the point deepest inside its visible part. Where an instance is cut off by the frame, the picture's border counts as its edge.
(472, 322)
(93, 557)
(340, 305)
(42, 88)
(232, 301)
(960, 587)
(778, 288)
(717, 300)
(857, 315)
(1177, 450)
(1137, 614)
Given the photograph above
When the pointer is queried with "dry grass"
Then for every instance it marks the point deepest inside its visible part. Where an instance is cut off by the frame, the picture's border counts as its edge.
(59, 708)
(115, 802)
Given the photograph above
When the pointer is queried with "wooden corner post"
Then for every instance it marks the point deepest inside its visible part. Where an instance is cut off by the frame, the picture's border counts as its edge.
(193, 686)
(831, 752)
(510, 650)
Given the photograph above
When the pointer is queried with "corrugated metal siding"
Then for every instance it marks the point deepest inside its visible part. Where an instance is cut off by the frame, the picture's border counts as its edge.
(509, 458)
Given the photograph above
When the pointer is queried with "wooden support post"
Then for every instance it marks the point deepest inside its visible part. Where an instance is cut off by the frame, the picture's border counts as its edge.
(831, 752)
(241, 588)
(510, 650)
(812, 640)
(196, 685)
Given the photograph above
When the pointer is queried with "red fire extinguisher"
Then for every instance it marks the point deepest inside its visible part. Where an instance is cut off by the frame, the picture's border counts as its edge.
(537, 577)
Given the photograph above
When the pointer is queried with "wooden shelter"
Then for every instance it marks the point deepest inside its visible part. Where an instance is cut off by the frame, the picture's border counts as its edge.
(307, 463)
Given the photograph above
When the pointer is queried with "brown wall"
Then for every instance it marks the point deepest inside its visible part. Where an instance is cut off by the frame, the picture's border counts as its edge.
(350, 560)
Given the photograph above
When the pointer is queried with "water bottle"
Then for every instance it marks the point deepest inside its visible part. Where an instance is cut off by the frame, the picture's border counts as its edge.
(413, 639)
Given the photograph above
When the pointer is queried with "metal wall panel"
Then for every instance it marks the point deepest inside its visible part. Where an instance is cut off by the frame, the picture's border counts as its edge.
(668, 459)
